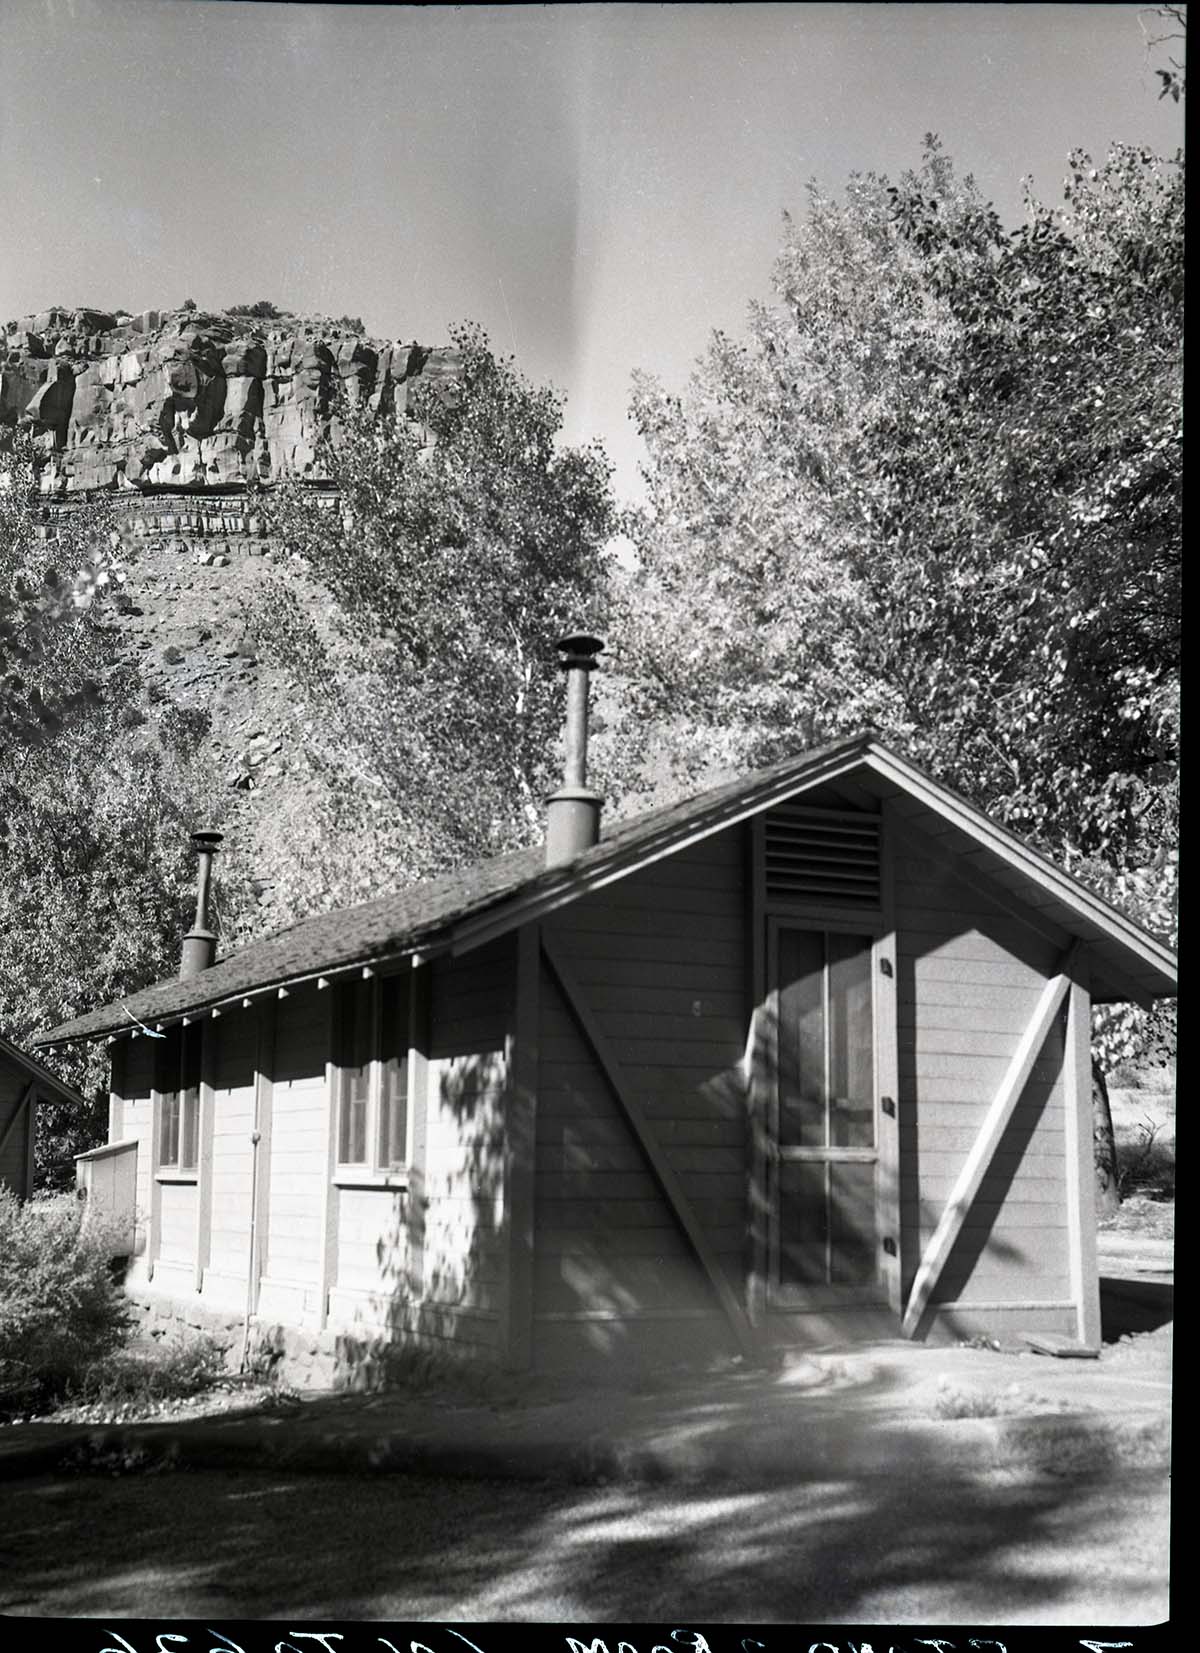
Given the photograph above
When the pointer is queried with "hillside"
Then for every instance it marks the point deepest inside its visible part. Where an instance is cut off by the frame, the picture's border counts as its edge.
(184, 421)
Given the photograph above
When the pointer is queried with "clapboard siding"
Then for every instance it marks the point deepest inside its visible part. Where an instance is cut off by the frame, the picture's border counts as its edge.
(969, 980)
(299, 1142)
(372, 1250)
(660, 960)
(177, 1223)
(14, 1156)
(235, 1039)
(136, 1115)
(472, 1007)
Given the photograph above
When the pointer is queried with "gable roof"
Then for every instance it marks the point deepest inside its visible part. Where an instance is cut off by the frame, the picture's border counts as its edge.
(37, 1074)
(475, 904)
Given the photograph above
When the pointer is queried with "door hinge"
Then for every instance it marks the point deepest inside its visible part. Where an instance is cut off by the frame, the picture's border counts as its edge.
(886, 966)
(889, 1245)
(889, 1107)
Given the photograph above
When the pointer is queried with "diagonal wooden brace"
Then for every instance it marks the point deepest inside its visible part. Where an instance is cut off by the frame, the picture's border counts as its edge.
(1000, 1111)
(676, 1199)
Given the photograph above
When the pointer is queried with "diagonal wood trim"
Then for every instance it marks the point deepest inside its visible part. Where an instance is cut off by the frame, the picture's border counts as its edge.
(992, 1129)
(23, 1102)
(676, 1199)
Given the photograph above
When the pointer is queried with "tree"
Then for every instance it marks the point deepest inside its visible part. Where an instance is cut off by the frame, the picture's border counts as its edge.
(466, 542)
(1168, 24)
(936, 489)
(99, 789)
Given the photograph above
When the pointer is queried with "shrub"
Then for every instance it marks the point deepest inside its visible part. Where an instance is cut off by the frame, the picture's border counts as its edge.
(261, 310)
(145, 1376)
(61, 1307)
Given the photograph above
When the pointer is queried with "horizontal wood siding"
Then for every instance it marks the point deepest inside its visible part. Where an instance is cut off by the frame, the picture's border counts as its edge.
(14, 1153)
(177, 1223)
(660, 960)
(137, 1077)
(970, 976)
(235, 1036)
(299, 1154)
(472, 1005)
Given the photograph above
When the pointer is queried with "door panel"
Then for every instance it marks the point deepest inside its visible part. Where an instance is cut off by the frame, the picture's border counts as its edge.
(825, 1246)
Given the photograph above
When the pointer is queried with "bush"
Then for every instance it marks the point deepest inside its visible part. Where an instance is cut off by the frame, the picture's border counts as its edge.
(61, 1307)
(261, 310)
(146, 1376)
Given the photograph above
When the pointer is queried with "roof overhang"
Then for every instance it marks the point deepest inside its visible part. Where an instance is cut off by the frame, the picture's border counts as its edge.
(1128, 963)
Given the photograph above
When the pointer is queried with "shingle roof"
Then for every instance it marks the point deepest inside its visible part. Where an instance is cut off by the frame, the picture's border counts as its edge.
(502, 891)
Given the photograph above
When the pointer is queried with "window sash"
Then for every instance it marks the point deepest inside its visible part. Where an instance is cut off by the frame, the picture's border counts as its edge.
(179, 1099)
(372, 1074)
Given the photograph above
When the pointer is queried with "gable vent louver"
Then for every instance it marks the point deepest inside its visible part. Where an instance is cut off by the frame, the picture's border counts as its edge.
(822, 856)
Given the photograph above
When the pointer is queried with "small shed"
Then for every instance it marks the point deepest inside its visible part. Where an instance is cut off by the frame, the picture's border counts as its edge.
(23, 1082)
(804, 1057)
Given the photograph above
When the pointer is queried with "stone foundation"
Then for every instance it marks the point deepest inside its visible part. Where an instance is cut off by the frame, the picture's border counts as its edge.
(299, 1358)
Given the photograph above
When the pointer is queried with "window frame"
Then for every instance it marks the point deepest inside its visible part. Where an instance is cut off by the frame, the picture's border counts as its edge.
(389, 1089)
(178, 1122)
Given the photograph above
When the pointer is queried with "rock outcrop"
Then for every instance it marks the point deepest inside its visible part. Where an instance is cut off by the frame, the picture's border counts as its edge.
(194, 402)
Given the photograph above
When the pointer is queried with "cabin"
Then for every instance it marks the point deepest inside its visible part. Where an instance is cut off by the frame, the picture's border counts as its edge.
(24, 1082)
(801, 1059)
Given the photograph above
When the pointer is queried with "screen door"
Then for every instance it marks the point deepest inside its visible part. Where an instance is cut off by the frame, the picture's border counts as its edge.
(825, 1238)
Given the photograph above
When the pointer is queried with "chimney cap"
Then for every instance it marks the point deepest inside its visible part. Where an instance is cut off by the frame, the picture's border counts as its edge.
(210, 841)
(579, 649)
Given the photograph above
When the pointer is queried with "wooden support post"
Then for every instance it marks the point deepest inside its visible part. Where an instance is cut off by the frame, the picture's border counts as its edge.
(208, 1059)
(995, 1120)
(154, 1221)
(116, 1090)
(887, 1070)
(520, 1150)
(1080, 1155)
(418, 1127)
(260, 1194)
(327, 1264)
(677, 1201)
(759, 1045)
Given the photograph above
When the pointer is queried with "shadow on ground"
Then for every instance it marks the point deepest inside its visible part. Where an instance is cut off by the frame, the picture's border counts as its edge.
(1128, 1306)
(934, 1545)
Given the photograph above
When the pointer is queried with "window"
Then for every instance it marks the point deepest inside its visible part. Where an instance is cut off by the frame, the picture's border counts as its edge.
(373, 1064)
(179, 1104)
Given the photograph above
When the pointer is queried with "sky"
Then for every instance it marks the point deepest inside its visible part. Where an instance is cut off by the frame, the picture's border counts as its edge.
(599, 186)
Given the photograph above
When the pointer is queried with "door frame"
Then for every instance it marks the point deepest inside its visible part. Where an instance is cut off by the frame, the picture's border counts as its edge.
(885, 1290)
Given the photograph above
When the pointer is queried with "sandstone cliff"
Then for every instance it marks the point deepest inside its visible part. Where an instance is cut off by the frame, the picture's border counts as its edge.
(193, 402)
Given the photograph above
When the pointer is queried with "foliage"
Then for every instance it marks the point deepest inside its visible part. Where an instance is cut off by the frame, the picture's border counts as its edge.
(51, 653)
(936, 490)
(261, 310)
(141, 1377)
(99, 789)
(189, 304)
(1169, 24)
(353, 323)
(60, 1307)
(467, 542)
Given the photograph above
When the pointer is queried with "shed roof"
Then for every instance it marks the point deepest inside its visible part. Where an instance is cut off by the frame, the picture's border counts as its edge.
(463, 909)
(36, 1073)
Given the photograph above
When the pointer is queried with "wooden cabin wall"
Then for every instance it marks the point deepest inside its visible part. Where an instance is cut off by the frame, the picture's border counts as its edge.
(471, 1012)
(15, 1152)
(232, 1051)
(660, 960)
(298, 1178)
(970, 976)
(132, 1116)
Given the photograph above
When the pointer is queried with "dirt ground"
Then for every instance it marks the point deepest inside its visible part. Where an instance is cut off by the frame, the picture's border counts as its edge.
(987, 1548)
